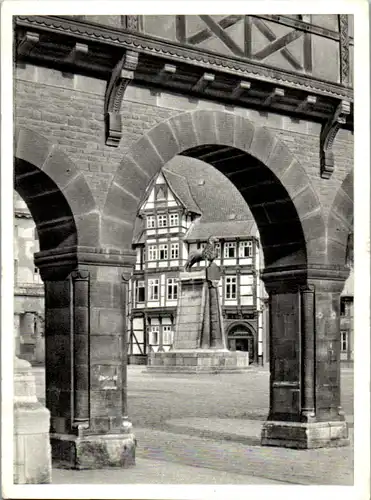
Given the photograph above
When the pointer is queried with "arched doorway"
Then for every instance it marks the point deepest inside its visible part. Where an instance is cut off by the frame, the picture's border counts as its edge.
(241, 338)
(302, 278)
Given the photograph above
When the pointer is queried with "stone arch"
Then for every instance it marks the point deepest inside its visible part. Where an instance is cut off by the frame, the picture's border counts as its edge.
(276, 187)
(244, 324)
(340, 223)
(55, 192)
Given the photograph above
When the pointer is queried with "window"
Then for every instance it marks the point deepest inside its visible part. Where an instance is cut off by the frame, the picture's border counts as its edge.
(162, 220)
(217, 249)
(163, 252)
(152, 252)
(150, 221)
(344, 341)
(172, 289)
(229, 250)
(167, 335)
(160, 193)
(174, 220)
(174, 251)
(154, 334)
(245, 249)
(141, 292)
(153, 289)
(346, 307)
(231, 287)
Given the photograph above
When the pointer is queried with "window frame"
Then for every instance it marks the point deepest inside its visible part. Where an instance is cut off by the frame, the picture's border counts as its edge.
(153, 284)
(152, 253)
(140, 287)
(344, 340)
(163, 247)
(151, 218)
(154, 329)
(172, 245)
(171, 285)
(162, 217)
(168, 329)
(243, 246)
(172, 216)
(230, 281)
(227, 246)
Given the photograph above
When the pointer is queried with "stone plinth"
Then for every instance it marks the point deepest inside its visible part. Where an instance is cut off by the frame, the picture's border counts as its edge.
(32, 453)
(305, 435)
(93, 452)
(198, 361)
(199, 338)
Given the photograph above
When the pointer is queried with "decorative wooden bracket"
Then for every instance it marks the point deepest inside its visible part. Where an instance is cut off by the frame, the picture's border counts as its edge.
(28, 42)
(121, 75)
(78, 52)
(328, 134)
(274, 96)
(307, 103)
(240, 89)
(204, 82)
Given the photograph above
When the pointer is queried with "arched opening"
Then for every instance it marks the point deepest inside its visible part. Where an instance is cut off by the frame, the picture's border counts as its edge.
(273, 183)
(241, 337)
(301, 275)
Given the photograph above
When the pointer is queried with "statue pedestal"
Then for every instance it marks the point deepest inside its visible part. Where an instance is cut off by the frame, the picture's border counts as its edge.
(32, 452)
(199, 337)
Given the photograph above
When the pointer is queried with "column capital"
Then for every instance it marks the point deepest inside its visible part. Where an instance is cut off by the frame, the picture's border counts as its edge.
(294, 278)
(57, 264)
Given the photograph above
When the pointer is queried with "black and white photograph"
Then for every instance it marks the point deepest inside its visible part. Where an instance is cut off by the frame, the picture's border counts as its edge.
(185, 249)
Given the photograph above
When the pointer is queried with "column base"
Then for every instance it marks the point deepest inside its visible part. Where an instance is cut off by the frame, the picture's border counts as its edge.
(305, 435)
(93, 452)
(198, 361)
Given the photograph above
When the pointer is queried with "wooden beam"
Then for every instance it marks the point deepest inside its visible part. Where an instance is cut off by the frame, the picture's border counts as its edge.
(203, 82)
(274, 96)
(167, 72)
(77, 53)
(240, 89)
(307, 103)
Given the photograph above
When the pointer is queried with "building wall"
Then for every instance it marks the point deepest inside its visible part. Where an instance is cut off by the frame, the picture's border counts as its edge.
(68, 110)
(28, 288)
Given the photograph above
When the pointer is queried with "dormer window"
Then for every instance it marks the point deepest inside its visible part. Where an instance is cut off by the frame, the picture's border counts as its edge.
(162, 220)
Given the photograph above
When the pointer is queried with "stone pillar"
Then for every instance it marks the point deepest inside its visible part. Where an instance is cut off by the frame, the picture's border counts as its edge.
(305, 409)
(86, 345)
(32, 457)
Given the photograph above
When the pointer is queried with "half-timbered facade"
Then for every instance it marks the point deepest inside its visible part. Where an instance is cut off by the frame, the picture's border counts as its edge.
(172, 224)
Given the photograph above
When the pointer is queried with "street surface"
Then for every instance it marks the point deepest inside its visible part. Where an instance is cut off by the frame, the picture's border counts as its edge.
(206, 429)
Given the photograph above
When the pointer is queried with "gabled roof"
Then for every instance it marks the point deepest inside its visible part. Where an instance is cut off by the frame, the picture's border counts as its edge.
(202, 230)
(216, 197)
(202, 189)
(180, 187)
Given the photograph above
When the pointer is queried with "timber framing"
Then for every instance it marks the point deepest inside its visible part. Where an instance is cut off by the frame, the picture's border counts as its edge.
(55, 41)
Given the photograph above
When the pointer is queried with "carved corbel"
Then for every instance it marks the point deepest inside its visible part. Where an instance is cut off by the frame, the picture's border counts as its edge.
(121, 76)
(328, 134)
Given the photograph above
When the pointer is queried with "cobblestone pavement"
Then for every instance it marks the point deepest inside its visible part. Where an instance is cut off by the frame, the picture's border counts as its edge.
(212, 423)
